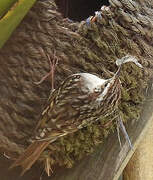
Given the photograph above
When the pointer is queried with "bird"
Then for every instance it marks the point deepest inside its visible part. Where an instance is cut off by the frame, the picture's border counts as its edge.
(81, 99)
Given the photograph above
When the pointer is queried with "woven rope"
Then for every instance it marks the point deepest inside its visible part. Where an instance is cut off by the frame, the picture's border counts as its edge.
(126, 28)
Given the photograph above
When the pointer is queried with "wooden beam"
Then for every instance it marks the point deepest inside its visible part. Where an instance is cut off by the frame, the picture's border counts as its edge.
(140, 165)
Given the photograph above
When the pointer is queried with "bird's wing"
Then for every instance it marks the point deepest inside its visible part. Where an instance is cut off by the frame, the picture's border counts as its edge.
(61, 116)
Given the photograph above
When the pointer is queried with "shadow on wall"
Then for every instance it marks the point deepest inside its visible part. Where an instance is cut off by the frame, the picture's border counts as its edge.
(78, 10)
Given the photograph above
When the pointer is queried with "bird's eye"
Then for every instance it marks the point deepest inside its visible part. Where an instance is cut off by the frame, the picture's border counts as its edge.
(105, 85)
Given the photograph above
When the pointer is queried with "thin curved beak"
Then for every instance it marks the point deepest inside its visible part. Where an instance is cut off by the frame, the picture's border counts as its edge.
(117, 74)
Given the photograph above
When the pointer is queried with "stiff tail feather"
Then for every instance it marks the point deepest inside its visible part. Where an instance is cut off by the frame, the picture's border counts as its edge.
(31, 154)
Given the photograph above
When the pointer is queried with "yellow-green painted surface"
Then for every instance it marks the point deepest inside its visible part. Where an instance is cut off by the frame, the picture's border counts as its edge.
(5, 6)
(12, 18)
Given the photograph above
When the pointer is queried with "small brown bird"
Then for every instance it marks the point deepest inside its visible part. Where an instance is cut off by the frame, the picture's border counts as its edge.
(81, 99)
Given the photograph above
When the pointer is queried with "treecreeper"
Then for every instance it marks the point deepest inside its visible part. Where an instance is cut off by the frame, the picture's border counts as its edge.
(81, 99)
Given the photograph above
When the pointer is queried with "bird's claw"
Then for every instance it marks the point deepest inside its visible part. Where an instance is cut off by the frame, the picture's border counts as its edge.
(53, 63)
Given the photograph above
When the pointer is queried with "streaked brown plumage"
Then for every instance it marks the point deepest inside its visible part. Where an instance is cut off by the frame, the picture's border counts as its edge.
(81, 99)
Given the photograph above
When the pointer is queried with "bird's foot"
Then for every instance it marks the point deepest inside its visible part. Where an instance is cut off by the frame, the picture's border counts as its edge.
(53, 63)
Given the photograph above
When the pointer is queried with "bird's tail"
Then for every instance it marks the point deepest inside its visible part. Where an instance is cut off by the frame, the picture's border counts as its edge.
(31, 154)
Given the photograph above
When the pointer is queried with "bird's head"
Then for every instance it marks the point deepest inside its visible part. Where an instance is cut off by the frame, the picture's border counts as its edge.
(94, 86)
(99, 88)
